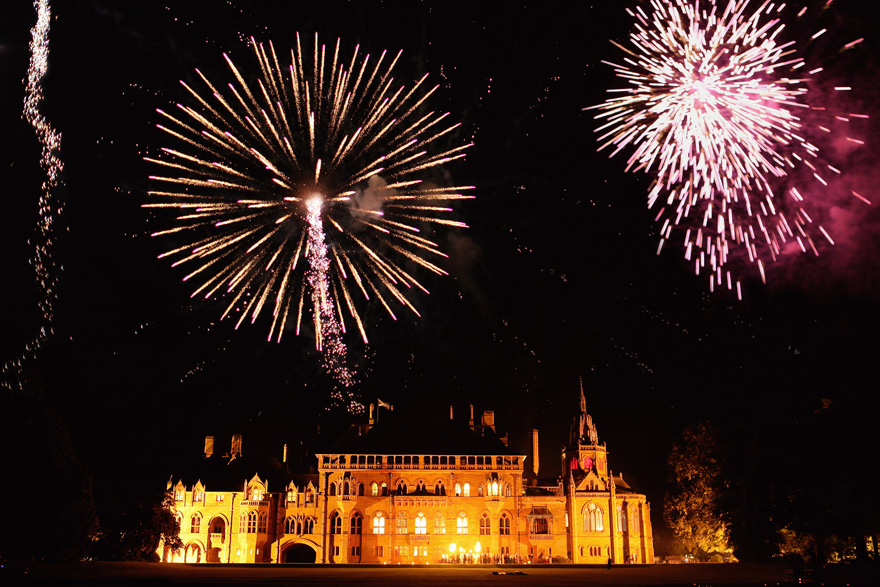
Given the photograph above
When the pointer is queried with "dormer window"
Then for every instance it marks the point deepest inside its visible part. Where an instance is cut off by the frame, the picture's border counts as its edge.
(257, 494)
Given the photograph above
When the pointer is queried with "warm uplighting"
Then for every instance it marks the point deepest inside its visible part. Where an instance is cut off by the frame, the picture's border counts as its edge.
(452, 548)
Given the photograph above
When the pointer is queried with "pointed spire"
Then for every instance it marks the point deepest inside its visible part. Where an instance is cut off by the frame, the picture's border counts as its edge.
(586, 428)
(583, 399)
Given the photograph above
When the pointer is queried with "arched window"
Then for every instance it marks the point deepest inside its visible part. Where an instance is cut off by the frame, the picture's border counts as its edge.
(309, 525)
(357, 523)
(508, 491)
(384, 489)
(401, 523)
(290, 525)
(421, 524)
(504, 525)
(332, 489)
(484, 525)
(439, 489)
(346, 489)
(493, 488)
(264, 521)
(467, 490)
(621, 519)
(401, 488)
(378, 523)
(480, 490)
(593, 518)
(374, 489)
(195, 524)
(242, 526)
(461, 523)
(252, 522)
(291, 495)
(361, 489)
(335, 523)
(299, 526)
(439, 524)
(457, 489)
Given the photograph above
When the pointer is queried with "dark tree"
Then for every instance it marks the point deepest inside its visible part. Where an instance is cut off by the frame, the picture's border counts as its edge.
(50, 513)
(140, 529)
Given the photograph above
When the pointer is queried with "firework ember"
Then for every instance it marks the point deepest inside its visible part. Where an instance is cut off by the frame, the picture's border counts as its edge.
(714, 110)
(251, 155)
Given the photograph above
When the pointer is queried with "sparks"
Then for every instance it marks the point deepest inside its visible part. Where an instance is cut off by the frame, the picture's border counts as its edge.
(249, 158)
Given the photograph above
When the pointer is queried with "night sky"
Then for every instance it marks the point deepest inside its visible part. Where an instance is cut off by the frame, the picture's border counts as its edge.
(557, 277)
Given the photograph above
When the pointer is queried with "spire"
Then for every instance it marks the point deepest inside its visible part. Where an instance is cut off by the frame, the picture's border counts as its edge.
(586, 428)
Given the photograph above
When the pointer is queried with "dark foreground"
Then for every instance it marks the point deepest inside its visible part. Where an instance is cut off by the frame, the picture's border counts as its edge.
(149, 574)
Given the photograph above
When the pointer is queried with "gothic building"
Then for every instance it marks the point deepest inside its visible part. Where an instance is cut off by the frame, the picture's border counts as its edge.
(396, 491)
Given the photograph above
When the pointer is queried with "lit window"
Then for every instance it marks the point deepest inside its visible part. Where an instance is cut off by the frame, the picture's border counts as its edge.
(457, 489)
(378, 523)
(219, 497)
(374, 489)
(257, 494)
(467, 489)
(439, 524)
(291, 496)
(462, 523)
(195, 524)
(621, 519)
(493, 489)
(384, 489)
(401, 523)
(198, 496)
(484, 524)
(593, 519)
(421, 524)
(178, 495)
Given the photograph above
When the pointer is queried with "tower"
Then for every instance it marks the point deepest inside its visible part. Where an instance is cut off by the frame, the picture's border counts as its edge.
(584, 453)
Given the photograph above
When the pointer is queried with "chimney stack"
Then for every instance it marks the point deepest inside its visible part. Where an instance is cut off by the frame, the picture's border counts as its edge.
(489, 419)
(535, 451)
(450, 412)
(209, 446)
(471, 420)
(284, 455)
(235, 450)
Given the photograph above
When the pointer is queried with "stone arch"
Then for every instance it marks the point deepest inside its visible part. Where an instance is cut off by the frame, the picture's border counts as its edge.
(299, 552)
(194, 552)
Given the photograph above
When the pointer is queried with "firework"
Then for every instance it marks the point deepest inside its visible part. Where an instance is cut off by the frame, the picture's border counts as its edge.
(50, 205)
(304, 187)
(714, 110)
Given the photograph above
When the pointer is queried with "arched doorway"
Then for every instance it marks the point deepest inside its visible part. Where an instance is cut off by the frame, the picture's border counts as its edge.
(216, 539)
(193, 553)
(299, 553)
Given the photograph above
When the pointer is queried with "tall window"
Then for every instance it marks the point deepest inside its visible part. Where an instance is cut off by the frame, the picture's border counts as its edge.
(457, 489)
(401, 523)
(195, 524)
(401, 488)
(540, 526)
(461, 523)
(593, 519)
(621, 519)
(439, 524)
(504, 525)
(335, 523)
(374, 489)
(264, 520)
(257, 494)
(242, 526)
(291, 496)
(290, 525)
(378, 523)
(484, 525)
(439, 489)
(421, 524)
(493, 488)
(467, 490)
(384, 489)
(309, 525)
(357, 523)
(252, 522)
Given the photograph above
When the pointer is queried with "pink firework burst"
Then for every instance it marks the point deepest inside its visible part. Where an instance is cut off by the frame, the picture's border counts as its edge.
(714, 109)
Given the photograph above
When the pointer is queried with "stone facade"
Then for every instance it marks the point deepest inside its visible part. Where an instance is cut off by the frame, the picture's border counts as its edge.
(472, 502)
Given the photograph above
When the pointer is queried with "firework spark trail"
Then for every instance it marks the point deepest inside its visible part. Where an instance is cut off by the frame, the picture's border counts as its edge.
(50, 206)
(714, 111)
(328, 328)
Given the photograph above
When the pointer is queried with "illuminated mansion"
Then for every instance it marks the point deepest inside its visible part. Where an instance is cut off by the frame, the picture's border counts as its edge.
(448, 493)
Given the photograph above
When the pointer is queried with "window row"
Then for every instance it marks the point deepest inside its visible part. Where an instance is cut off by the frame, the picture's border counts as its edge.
(253, 522)
(420, 524)
(416, 460)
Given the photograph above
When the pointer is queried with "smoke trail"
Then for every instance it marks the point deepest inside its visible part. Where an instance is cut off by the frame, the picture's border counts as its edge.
(50, 207)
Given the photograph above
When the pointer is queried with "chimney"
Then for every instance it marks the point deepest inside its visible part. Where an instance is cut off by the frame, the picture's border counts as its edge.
(284, 454)
(489, 419)
(450, 412)
(235, 450)
(209, 446)
(535, 451)
(471, 420)
(372, 420)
